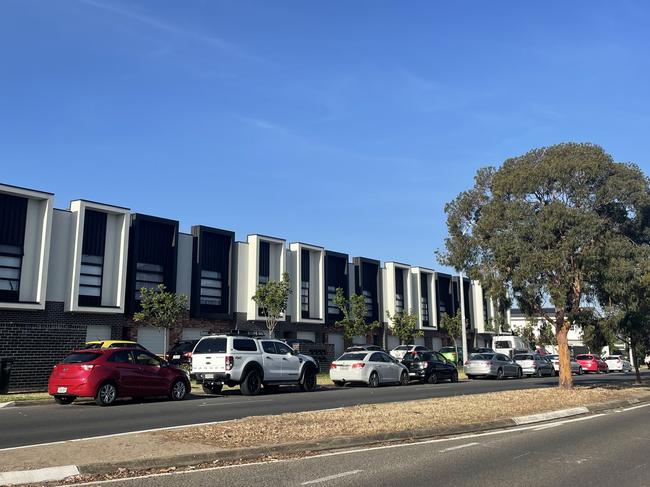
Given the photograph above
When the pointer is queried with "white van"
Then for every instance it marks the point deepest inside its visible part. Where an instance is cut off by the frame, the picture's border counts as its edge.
(509, 345)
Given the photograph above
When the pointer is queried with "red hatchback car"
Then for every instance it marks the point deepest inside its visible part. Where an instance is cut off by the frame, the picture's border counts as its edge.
(592, 363)
(106, 374)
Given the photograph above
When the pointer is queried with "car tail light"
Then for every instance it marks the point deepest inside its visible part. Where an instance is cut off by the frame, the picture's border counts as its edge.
(358, 365)
(332, 365)
(230, 361)
(187, 354)
(87, 366)
(425, 364)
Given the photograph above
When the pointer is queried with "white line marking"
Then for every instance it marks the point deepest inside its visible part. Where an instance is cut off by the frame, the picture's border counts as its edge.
(332, 477)
(452, 448)
(562, 413)
(521, 456)
(39, 475)
(7, 404)
(547, 426)
(206, 404)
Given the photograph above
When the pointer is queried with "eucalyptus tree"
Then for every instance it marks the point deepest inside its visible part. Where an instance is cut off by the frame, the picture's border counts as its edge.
(538, 227)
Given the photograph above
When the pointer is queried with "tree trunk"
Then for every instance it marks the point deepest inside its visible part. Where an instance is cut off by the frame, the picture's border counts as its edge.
(562, 329)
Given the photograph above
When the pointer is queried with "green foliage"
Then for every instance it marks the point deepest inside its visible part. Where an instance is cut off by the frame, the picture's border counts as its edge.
(160, 307)
(527, 333)
(546, 335)
(353, 310)
(453, 325)
(404, 326)
(489, 325)
(544, 225)
(271, 298)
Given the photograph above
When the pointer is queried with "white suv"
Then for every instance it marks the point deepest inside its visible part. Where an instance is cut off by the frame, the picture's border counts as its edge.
(250, 363)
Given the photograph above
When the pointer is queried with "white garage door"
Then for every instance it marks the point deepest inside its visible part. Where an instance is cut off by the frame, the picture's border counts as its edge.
(392, 342)
(336, 339)
(419, 341)
(153, 339)
(193, 333)
(98, 332)
(436, 343)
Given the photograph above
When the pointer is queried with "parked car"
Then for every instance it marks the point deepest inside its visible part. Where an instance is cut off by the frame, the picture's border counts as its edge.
(372, 368)
(482, 350)
(400, 351)
(251, 363)
(429, 367)
(533, 364)
(112, 344)
(491, 365)
(617, 363)
(576, 368)
(647, 360)
(364, 348)
(592, 363)
(108, 373)
(450, 354)
(181, 352)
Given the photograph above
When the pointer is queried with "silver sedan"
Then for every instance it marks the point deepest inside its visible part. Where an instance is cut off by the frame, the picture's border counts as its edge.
(491, 365)
(372, 368)
(576, 368)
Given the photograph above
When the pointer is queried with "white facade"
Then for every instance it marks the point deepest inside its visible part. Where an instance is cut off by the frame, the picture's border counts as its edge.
(307, 296)
(425, 298)
(113, 280)
(517, 322)
(34, 265)
(276, 267)
(397, 297)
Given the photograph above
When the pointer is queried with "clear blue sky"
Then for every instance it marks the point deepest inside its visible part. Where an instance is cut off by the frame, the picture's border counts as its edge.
(344, 124)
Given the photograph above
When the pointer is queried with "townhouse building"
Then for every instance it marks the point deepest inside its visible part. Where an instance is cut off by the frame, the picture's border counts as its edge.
(72, 275)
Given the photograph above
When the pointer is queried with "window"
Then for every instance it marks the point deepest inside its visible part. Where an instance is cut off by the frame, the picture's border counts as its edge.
(304, 283)
(399, 290)
(367, 297)
(265, 262)
(376, 357)
(332, 308)
(352, 356)
(143, 358)
(211, 286)
(122, 357)
(244, 345)
(210, 345)
(80, 357)
(283, 349)
(11, 258)
(268, 347)
(148, 276)
(90, 280)
(424, 300)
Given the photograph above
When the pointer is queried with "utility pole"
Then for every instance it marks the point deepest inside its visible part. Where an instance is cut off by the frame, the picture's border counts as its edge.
(463, 331)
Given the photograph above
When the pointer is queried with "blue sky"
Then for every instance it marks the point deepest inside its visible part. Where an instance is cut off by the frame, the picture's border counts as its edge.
(343, 124)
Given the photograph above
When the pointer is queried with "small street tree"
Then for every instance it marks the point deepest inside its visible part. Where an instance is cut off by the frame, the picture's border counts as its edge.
(453, 325)
(404, 326)
(527, 333)
(160, 308)
(271, 298)
(539, 227)
(354, 320)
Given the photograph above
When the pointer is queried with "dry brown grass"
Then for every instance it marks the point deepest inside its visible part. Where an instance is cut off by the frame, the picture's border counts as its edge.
(393, 417)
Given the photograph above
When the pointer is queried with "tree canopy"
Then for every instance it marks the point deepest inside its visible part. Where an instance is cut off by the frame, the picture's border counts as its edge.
(272, 297)
(404, 326)
(543, 225)
(354, 315)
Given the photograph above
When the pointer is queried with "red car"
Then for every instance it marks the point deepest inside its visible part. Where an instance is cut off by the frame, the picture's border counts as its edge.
(109, 373)
(592, 363)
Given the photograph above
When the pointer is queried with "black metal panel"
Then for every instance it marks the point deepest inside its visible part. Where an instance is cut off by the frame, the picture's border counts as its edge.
(94, 239)
(468, 310)
(152, 240)
(304, 277)
(366, 273)
(336, 276)
(212, 251)
(399, 281)
(13, 216)
(265, 259)
(424, 292)
(444, 295)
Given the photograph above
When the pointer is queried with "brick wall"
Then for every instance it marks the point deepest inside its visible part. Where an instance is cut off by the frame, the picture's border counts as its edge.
(37, 340)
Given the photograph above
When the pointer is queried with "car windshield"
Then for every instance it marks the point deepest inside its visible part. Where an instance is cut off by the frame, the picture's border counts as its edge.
(584, 357)
(92, 346)
(481, 356)
(352, 356)
(502, 345)
(211, 345)
(80, 357)
(184, 347)
(523, 357)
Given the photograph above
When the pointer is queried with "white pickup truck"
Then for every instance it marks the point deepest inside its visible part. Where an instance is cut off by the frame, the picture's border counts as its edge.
(250, 363)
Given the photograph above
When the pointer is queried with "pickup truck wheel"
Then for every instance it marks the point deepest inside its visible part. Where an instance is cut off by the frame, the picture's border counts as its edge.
(212, 389)
(308, 383)
(252, 384)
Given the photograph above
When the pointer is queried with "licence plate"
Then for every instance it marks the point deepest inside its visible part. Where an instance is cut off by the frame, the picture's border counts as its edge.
(174, 357)
(62, 390)
(208, 376)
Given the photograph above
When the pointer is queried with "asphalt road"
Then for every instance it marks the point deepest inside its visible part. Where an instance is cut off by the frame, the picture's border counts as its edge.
(602, 450)
(20, 426)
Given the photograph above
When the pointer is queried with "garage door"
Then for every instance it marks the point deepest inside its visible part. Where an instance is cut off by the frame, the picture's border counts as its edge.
(307, 335)
(153, 339)
(98, 332)
(392, 342)
(193, 333)
(436, 343)
(336, 339)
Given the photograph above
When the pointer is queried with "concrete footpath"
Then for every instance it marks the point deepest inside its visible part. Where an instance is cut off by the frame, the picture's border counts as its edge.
(150, 450)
